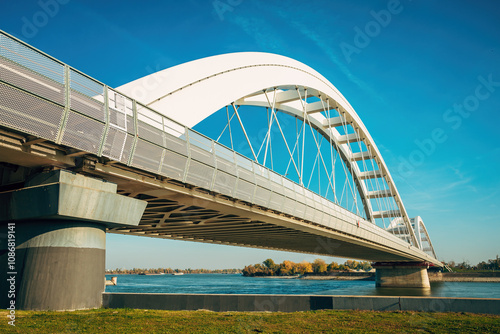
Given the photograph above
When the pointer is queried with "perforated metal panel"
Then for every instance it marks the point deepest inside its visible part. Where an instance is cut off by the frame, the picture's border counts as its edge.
(299, 193)
(118, 119)
(174, 165)
(288, 189)
(30, 81)
(147, 156)
(309, 214)
(225, 165)
(31, 59)
(87, 106)
(224, 183)
(201, 148)
(300, 209)
(25, 112)
(130, 125)
(150, 133)
(276, 188)
(127, 148)
(177, 145)
(86, 86)
(262, 196)
(83, 133)
(262, 181)
(201, 155)
(120, 107)
(200, 174)
(224, 159)
(243, 162)
(246, 174)
(115, 143)
(244, 191)
(276, 201)
(289, 206)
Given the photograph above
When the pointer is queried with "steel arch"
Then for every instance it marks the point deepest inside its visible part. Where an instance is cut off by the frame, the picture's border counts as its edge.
(192, 91)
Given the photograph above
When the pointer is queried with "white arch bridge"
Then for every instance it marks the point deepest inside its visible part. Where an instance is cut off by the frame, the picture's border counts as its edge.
(279, 158)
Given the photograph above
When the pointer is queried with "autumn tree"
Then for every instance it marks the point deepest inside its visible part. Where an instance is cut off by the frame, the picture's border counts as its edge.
(365, 265)
(302, 268)
(319, 266)
(351, 264)
(286, 268)
(333, 266)
(269, 264)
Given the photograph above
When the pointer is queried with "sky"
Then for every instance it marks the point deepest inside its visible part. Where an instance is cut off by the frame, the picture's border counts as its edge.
(424, 77)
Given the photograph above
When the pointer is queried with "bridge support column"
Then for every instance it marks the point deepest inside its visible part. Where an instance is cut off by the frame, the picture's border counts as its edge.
(401, 274)
(53, 234)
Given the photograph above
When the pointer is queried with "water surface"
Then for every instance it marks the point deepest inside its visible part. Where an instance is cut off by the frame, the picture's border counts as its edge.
(238, 284)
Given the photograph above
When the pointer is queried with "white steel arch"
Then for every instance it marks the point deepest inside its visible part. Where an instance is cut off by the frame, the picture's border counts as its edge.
(191, 92)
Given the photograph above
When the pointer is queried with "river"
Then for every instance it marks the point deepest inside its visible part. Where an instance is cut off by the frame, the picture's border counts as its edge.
(238, 284)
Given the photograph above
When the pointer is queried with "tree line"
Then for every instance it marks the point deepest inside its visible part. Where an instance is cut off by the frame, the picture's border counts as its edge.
(490, 265)
(289, 268)
(137, 271)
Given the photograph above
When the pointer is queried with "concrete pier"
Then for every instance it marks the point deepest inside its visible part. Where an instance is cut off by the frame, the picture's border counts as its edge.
(401, 275)
(60, 265)
(54, 256)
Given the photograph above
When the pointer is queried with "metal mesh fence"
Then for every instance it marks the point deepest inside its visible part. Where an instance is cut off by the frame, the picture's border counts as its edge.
(28, 113)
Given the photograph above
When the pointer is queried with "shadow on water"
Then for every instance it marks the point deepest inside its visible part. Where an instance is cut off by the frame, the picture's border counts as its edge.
(402, 291)
(436, 289)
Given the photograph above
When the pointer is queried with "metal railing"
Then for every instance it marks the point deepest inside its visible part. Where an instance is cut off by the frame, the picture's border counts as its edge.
(46, 98)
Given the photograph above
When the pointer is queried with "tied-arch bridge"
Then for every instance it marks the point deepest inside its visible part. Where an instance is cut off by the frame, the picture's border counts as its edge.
(244, 149)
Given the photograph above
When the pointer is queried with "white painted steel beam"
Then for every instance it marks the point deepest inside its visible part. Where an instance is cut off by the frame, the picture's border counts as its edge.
(387, 214)
(316, 107)
(334, 122)
(348, 138)
(361, 156)
(379, 193)
(374, 174)
(288, 96)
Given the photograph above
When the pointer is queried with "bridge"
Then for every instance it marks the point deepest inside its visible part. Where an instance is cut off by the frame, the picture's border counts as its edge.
(245, 149)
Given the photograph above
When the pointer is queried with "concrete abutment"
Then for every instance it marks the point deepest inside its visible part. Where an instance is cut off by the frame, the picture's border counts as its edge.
(54, 240)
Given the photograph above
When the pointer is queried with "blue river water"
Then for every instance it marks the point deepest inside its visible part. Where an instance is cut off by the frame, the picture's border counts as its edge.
(238, 284)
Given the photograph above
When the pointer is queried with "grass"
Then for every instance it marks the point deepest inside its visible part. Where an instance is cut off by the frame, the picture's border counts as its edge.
(327, 321)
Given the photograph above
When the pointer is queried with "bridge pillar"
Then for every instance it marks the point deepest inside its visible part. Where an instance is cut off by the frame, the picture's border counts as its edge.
(53, 234)
(401, 274)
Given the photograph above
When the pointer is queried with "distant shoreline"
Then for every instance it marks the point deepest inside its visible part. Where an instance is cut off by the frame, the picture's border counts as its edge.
(491, 277)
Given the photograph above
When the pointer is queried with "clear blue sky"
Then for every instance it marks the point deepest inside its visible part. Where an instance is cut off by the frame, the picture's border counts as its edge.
(427, 68)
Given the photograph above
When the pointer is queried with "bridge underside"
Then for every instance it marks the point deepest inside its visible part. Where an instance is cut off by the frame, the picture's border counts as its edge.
(176, 216)
(182, 212)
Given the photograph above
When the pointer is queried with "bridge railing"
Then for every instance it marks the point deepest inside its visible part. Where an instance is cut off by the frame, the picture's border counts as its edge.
(46, 98)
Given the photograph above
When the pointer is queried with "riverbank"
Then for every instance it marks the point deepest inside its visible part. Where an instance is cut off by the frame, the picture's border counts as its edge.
(151, 321)
(486, 277)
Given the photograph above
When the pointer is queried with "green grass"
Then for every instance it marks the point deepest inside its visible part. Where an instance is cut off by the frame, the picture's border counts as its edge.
(151, 321)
